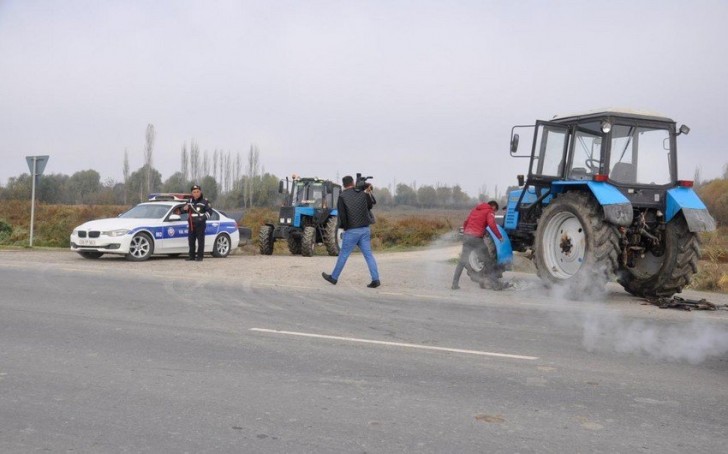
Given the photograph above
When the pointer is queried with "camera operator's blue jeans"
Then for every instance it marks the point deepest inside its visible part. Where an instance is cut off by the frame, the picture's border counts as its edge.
(361, 237)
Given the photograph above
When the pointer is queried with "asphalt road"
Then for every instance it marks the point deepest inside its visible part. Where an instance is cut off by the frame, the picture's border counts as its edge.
(259, 354)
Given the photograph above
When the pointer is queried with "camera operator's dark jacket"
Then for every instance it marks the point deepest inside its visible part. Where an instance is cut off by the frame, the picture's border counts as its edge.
(354, 205)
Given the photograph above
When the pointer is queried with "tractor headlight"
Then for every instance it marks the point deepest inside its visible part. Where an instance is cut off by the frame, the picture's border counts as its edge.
(606, 126)
(282, 221)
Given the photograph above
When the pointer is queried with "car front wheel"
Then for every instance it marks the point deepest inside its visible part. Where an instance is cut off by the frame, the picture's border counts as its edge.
(141, 248)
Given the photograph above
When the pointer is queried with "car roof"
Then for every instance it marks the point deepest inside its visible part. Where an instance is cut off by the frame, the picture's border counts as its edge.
(161, 196)
(168, 203)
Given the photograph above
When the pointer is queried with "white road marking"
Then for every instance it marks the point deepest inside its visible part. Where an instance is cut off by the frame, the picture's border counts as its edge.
(394, 344)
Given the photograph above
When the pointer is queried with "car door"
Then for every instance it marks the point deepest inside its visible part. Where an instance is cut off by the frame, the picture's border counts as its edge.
(213, 226)
(175, 232)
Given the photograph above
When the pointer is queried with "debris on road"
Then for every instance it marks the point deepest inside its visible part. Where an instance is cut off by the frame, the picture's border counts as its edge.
(685, 304)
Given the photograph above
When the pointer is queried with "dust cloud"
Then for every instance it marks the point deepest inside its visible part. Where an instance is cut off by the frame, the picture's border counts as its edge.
(693, 342)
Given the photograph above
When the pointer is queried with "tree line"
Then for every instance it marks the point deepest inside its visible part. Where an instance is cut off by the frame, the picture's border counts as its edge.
(227, 180)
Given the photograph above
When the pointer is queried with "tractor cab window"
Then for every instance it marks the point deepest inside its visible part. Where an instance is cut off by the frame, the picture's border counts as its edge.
(548, 158)
(316, 194)
(640, 155)
(587, 153)
(298, 193)
(333, 197)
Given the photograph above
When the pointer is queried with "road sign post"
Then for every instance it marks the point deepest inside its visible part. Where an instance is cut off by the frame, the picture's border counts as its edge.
(36, 164)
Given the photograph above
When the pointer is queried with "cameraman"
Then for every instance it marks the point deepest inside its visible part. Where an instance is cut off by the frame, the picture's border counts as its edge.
(354, 208)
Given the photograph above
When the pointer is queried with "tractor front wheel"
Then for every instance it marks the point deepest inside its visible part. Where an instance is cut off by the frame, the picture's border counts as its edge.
(574, 246)
(265, 240)
(308, 241)
(294, 245)
(484, 263)
(668, 273)
(331, 240)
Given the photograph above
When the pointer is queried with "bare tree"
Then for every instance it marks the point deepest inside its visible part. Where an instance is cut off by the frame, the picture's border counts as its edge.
(126, 173)
(252, 174)
(185, 164)
(237, 172)
(194, 161)
(148, 162)
(214, 165)
(227, 169)
(205, 163)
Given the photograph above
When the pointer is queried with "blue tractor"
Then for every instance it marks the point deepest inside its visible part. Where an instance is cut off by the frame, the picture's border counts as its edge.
(308, 217)
(602, 199)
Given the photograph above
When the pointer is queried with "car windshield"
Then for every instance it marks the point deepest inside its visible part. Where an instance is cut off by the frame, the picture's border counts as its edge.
(640, 155)
(146, 211)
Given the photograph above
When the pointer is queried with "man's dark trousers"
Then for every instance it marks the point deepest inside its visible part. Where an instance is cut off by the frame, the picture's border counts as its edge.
(197, 233)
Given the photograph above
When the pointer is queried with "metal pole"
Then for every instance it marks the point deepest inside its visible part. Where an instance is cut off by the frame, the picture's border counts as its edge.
(32, 201)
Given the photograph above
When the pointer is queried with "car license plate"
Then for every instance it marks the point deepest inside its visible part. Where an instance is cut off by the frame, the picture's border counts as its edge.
(87, 242)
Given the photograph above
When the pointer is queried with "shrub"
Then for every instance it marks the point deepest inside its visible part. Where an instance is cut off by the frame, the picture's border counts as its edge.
(6, 230)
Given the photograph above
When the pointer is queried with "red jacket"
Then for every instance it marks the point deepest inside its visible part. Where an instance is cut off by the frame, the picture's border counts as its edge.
(481, 216)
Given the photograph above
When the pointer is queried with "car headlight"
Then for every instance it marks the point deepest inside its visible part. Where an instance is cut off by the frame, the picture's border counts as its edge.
(120, 232)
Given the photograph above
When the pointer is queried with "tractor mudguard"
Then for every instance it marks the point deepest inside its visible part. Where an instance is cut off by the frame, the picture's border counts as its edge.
(502, 247)
(617, 208)
(693, 209)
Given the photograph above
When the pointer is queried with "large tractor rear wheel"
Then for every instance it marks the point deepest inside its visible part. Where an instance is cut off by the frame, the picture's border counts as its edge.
(331, 240)
(308, 241)
(265, 240)
(294, 245)
(575, 247)
(668, 273)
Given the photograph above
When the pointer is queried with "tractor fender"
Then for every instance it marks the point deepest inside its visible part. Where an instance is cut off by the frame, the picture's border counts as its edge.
(617, 208)
(693, 209)
(502, 247)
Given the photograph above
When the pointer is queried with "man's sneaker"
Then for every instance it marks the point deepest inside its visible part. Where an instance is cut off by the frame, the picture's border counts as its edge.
(455, 287)
(329, 278)
(374, 284)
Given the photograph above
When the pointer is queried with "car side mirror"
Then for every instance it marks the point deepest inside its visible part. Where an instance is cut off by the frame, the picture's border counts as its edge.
(175, 217)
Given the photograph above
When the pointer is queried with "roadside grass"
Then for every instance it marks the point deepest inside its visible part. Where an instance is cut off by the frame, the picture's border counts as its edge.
(53, 223)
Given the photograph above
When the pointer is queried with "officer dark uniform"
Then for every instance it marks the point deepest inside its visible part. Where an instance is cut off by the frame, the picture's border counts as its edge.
(199, 210)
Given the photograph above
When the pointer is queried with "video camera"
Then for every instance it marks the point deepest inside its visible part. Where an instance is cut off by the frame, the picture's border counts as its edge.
(361, 182)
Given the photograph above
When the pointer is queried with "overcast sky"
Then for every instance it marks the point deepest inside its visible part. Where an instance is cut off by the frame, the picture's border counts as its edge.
(405, 91)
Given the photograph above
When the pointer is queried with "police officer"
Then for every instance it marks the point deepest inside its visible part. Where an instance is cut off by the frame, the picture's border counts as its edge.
(199, 210)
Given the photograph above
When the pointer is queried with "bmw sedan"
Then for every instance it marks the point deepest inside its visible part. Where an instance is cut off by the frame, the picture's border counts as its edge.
(152, 228)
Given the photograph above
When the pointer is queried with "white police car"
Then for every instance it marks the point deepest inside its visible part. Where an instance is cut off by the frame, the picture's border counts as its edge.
(152, 228)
